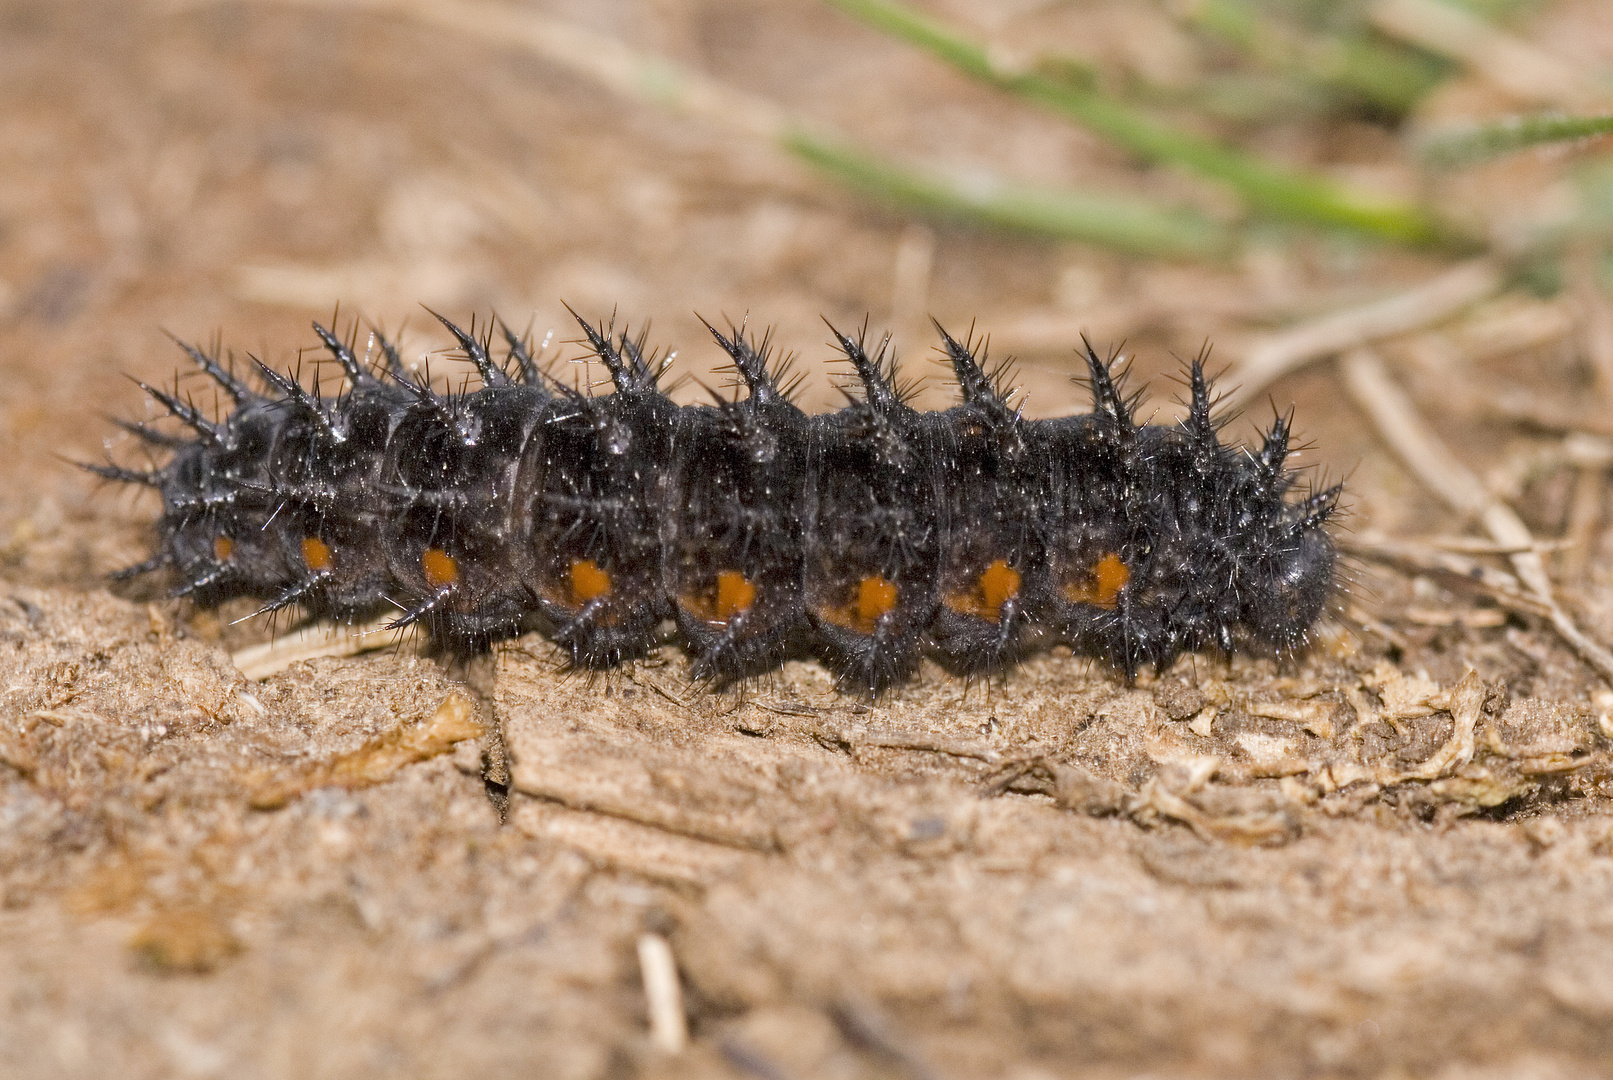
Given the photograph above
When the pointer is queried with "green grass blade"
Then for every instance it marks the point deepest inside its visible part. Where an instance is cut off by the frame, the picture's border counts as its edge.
(1389, 75)
(1484, 141)
(1112, 221)
(1266, 187)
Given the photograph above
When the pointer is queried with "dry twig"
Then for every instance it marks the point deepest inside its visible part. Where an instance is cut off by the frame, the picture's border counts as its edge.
(1413, 309)
(663, 994)
(1466, 700)
(1440, 471)
(323, 639)
(911, 740)
(382, 757)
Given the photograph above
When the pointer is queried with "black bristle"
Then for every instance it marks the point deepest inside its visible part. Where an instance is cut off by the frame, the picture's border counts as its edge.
(121, 475)
(238, 390)
(521, 353)
(1106, 397)
(185, 412)
(356, 372)
(394, 362)
(979, 386)
(476, 352)
(151, 436)
(878, 383)
(628, 372)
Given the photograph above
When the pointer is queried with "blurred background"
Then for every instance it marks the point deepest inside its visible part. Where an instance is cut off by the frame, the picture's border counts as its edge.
(1393, 216)
(1159, 174)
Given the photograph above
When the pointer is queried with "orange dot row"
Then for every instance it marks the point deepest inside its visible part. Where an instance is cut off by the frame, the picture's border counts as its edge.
(734, 593)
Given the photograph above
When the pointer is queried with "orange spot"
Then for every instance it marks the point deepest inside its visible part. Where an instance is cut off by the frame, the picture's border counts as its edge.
(732, 594)
(999, 584)
(316, 554)
(996, 585)
(588, 581)
(875, 597)
(441, 569)
(223, 546)
(735, 593)
(1102, 588)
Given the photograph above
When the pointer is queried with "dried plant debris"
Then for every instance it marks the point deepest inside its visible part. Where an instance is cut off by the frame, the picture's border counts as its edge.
(376, 761)
(637, 807)
(1253, 759)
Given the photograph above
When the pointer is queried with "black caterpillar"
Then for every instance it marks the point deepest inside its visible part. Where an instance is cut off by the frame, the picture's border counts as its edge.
(866, 537)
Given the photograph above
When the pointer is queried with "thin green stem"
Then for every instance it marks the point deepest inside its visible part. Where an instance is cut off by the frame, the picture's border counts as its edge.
(1266, 187)
(1388, 74)
(1113, 221)
(1485, 141)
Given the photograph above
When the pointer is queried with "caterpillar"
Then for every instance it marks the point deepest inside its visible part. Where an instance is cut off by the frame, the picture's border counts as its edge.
(868, 537)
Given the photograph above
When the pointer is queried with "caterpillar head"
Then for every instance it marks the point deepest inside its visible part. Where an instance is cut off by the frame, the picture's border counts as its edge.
(1284, 592)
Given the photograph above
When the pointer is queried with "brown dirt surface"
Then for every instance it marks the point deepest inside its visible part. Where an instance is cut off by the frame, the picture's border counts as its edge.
(1393, 857)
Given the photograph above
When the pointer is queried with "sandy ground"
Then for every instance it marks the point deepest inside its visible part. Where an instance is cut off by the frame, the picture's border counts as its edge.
(1394, 858)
